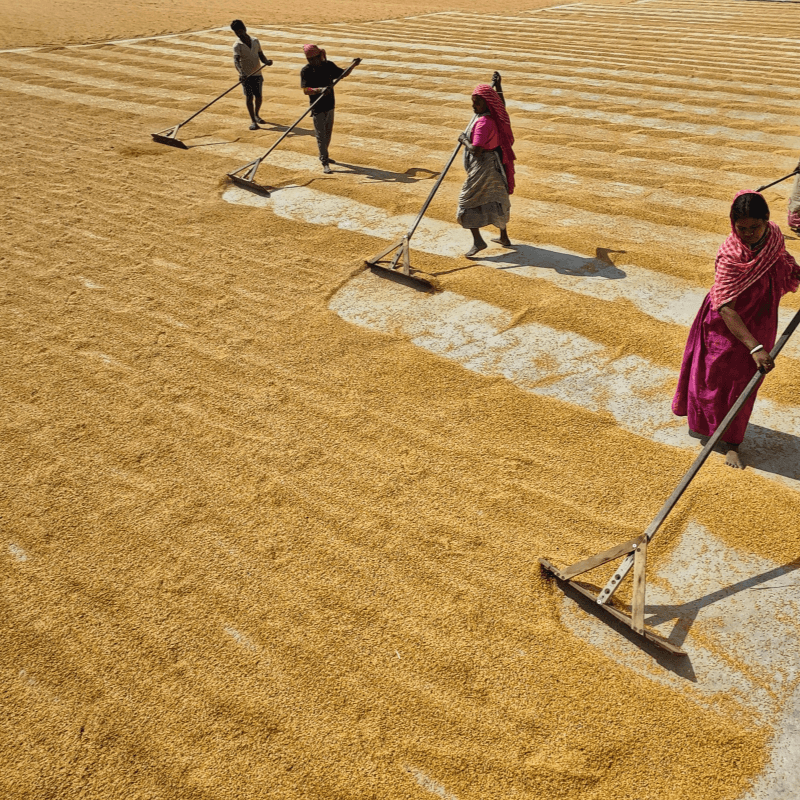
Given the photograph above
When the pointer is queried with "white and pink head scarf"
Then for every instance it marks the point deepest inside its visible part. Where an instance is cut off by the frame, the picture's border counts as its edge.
(738, 267)
(498, 113)
(312, 50)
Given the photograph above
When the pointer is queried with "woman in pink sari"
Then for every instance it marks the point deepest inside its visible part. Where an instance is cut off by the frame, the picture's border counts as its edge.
(737, 324)
(489, 162)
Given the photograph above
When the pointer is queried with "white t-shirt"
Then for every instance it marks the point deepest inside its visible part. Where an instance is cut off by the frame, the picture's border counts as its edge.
(246, 58)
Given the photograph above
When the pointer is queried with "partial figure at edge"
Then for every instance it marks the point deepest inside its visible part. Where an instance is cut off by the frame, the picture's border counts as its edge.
(737, 325)
(489, 164)
(794, 203)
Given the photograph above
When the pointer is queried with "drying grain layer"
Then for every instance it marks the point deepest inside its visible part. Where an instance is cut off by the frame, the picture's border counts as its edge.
(251, 549)
(38, 22)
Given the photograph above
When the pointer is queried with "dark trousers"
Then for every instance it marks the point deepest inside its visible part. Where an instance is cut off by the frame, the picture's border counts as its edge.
(323, 128)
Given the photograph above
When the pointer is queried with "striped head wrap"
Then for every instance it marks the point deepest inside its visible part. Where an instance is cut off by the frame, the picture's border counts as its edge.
(738, 267)
(311, 50)
(499, 114)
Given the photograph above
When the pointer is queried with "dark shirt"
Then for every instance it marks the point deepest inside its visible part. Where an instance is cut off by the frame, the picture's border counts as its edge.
(315, 78)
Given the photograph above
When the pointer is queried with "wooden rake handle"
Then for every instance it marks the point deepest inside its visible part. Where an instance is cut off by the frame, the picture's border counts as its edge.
(672, 500)
(795, 171)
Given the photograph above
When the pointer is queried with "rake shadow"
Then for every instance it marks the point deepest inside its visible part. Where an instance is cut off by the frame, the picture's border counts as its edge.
(679, 665)
(686, 614)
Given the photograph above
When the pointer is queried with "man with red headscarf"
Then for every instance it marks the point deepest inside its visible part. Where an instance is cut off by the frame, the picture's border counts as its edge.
(489, 162)
(316, 79)
(737, 324)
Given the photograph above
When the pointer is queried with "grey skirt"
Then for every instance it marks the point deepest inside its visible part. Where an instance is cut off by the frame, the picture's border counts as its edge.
(484, 198)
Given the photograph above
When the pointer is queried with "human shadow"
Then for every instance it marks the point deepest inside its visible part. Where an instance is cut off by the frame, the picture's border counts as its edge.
(276, 127)
(685, 614)
(771, 451)
(411, 175)
(765, 449)
(526, 255)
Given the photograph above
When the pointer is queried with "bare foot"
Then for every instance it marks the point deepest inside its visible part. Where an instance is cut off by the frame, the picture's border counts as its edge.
(506, 242)
(475, 249)
(732, 460)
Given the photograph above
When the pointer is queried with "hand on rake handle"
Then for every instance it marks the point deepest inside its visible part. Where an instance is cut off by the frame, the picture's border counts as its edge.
(497, 82)
(763, 361)
(356, 62)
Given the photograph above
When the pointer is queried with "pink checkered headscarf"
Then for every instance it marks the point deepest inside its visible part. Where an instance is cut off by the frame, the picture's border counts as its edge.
(312, 50)
(737, 267)
(498, 113)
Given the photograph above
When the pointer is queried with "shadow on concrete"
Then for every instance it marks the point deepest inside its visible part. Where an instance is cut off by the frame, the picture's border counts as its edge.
(526, 255)
(276, 127)
(771, 451)
(767, 450)
(679, 665)
(412, 175)
(686, 613)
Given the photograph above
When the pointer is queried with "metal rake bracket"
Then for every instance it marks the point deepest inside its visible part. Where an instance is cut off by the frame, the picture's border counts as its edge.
(244, 177)
(170, 136)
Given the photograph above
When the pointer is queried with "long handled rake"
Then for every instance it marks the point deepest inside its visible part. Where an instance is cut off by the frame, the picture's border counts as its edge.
(170, 135)
(795, 171)
(635, 550)
(245, 176)
(401, 248)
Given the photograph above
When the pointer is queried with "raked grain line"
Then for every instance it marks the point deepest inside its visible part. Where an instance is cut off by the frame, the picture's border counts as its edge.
(700, 54)
(632, 141)
(661, 297)
(493, 53)
(512, 76)
(658, 36)
(557, 364)
(621, 189)
(469, 29)
(620, 95)
(734, 134)
(623, 88)
(638, 231)
(534, 49)
(555, 47)
(666, 170)
(562, 94)
(616, 25)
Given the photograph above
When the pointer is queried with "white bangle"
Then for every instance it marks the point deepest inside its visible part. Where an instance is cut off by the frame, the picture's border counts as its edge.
(756, 349)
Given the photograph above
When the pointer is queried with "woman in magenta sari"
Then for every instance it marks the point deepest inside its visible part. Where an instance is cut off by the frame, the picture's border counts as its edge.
(737, 324)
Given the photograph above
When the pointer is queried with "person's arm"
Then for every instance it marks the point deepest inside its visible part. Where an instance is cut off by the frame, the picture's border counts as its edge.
(482, 131)
(237, 61)
(475, 149)
(737, 327)
(346, 72)
(498, 86)
(309, 90)
(262, 57)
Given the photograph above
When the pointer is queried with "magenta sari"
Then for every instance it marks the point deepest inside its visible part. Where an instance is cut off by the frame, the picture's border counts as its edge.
(717, 366)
